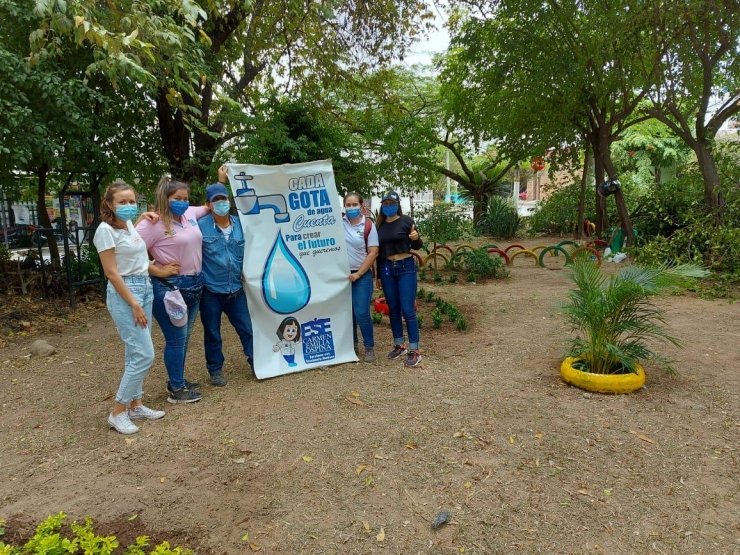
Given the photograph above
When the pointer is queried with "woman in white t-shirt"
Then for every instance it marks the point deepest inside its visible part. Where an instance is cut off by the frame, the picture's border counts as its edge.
(362, 248)
(129, 299)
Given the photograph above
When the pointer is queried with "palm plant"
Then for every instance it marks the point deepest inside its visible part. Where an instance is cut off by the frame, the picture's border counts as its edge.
(615, 317)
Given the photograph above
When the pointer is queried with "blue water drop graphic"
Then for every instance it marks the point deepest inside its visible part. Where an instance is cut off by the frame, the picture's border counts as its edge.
(285, 285)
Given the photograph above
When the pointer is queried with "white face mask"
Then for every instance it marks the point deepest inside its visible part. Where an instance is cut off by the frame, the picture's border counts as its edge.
(221, 207)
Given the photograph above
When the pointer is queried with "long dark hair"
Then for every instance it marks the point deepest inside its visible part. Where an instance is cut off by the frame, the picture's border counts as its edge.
(107, 210)
(380, 219)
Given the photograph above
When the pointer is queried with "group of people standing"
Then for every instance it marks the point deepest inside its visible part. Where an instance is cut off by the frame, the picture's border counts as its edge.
(191, 258)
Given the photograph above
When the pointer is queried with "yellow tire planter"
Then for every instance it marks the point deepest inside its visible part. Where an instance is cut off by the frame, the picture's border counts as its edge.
(602, 383)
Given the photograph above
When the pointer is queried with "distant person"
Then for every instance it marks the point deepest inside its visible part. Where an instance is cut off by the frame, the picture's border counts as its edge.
(223, 292)
(397, 235)
(362, 248)
(175, 244)
(129, 300)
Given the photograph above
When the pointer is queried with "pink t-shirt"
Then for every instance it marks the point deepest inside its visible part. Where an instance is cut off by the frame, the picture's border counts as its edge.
(184, 245)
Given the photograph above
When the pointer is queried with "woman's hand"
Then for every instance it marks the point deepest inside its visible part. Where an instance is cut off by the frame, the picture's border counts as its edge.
(414, 235)
(223, 174)
(354, 276)
(139, 315)
(152, 217)
(171, 269)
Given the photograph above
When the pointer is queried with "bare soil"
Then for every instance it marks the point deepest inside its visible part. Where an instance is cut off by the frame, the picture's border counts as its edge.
(359, 458)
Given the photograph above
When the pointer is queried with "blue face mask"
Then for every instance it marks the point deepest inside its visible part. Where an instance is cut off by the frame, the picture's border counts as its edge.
(178, 207)
(221, 207)
(126, 212)
(390, 210)
(352, 213)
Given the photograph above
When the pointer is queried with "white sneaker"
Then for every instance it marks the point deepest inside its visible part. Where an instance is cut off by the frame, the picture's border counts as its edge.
(122, 423)
(145, 413)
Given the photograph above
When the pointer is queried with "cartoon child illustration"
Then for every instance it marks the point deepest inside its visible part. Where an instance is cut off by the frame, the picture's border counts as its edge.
(289, 333)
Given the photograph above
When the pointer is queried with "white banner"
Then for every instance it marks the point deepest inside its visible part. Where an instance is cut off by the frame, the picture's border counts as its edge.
(295, 266)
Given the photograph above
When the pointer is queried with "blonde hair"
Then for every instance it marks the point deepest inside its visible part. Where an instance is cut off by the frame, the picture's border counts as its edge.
(167, 187)
(107, 210)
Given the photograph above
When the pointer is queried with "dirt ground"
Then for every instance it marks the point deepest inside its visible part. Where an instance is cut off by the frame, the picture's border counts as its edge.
(360, 458)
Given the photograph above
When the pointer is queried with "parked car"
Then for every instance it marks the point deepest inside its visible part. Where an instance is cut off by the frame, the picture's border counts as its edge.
(22, 236)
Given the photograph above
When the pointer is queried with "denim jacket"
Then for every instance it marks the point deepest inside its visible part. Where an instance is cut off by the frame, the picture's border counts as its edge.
(222, 259)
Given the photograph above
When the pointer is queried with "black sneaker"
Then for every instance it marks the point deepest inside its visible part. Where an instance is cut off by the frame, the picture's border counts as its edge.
(188, 385)
(184, 395)
(412, 359)
(398, 350)
(218, 379)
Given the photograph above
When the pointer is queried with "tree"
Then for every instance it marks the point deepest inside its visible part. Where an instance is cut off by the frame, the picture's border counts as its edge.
(54, 121)
(207, 65)
(552, 75)
(699, 41)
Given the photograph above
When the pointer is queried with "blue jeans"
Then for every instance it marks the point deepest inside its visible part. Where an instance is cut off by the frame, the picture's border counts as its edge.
(212, 307)
(399, 287)
(137, 341)
(362, 292)
(176, 339)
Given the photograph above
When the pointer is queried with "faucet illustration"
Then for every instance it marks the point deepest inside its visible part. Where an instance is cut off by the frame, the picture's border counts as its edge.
(247, 201)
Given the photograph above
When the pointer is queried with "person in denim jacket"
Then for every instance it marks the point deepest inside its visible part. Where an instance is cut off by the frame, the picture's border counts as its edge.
(223, 292)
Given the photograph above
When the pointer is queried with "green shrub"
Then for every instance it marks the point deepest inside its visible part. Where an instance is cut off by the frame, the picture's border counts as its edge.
(453, 278)
(437, 318)
(50, 539)
(482, 264)
(500, 219)
(442, 223)
(377, 317)
(462, 324)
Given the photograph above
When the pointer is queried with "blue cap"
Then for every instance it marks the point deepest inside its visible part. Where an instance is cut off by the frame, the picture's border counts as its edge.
(391, 195)
(216, 190)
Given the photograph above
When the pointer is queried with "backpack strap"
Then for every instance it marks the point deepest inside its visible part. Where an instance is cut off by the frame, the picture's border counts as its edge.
(368, 228)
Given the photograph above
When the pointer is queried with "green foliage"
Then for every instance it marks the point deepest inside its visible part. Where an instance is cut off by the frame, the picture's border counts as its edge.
(377, 317)
(677, 227)
(437, 318)
(558, 214)
(479, 264)
(461, 324)
(442, 223)
(420, 319)
(452, 278)
(437, 278)
(500, 218)
(51, 539)
(615, 320)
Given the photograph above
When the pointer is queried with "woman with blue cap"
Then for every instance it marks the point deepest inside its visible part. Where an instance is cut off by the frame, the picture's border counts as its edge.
(397, 235)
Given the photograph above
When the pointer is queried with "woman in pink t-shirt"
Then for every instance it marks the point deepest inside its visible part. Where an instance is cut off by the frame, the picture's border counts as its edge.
(175, 244)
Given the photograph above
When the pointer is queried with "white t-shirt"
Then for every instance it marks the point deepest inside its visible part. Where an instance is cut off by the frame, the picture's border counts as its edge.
(355, 236)
(131, 256)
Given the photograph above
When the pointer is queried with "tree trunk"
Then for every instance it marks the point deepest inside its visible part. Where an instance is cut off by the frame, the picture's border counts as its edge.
(43, 215)
(479, 208)
(710, 175)
(603, 153)
(602, 220)
(175, 136)
(582, 195)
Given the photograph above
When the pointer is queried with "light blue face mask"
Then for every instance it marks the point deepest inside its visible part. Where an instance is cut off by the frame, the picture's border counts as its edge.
(352, 213)
(221, 207)
(126, 212)
(178, 207)
(390, 210)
